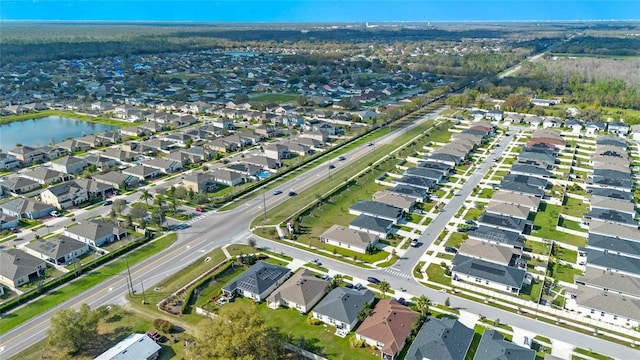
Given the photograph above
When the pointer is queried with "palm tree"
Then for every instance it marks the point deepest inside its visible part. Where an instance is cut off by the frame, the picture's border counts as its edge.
(145, 195)
(384, 287)
(159, 201)
(423, 304)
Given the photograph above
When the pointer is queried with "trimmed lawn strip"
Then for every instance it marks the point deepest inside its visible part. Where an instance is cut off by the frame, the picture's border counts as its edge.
(590, 354)
(87, 281)
(195, 269)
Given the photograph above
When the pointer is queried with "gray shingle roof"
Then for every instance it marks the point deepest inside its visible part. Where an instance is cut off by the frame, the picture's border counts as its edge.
(493, 346)
(497, 235)
(442, 339)
(489, 271)
(603, 242)
(504, 222)
(343, 304)
(612, 216)
(613, 261)
(301, 288)
(377, 209)
(611, 193)
(409, 190)
(425, 172)
(94, 230)
(371, 223)
(257, 278)
(15, 264)
(56, 247)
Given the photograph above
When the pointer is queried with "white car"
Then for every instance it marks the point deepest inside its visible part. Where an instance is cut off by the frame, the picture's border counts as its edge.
(414, 242)
(54, 213)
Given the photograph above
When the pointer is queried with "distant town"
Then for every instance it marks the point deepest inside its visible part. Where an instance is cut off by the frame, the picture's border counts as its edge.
(361, 193)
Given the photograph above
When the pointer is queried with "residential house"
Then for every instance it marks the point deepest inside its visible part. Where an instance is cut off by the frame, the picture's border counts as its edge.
(258, 281)
(60, 250)
(431, 174)
(487, 274)
(387, 327)
(69, 164)
(165, 166)
(372, 225)
(199, 182)
(277, 152)
(376, 209)
(101, 163)
(497, 236)
(493, 346)
(45, 176)
(503, 222)
(406, 203)
(120, 155)
(19, 185)
(348, 238)
(264, 162)
(8, 161)
(93, 188)
(18, 268)
(142, 172)
(266, 131)
(618, 128)
(301, 292)
(73, 145)
(513, 210)
(528, 201)
(409, 191)
(65, 195)
(245, 169)
(416, 181)
(498, 254)
(27, 155)
(227, 177)
(442, 339)
(7, 221)
(340, 308)
(95, 233)
(134, 346)
(318, 135)
(24, 208)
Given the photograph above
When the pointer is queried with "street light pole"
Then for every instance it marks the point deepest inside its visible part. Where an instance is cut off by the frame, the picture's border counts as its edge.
(264, 205)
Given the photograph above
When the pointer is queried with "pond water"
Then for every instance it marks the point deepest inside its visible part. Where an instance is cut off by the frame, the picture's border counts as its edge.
(39, 132)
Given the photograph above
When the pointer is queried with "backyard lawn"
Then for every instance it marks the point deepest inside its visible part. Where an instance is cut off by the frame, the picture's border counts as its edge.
(574, 207)
(456, 239)
(545, 223)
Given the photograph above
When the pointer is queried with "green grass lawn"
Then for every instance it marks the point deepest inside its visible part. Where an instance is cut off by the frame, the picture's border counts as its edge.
(570, 256)
(486, 193)
(537, 247)
(562, 272)
(571, 225)
(531, 292)
(545, 223)
(83, 283)
(320, 337)
(590, 354)
(435, 272)
(456, 239)
(574, 207)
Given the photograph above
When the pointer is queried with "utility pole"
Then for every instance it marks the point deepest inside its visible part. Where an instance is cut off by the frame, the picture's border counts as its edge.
(144, 298)
(129, 283)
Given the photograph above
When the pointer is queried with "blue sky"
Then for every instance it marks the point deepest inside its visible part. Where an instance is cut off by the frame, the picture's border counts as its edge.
(317, 10)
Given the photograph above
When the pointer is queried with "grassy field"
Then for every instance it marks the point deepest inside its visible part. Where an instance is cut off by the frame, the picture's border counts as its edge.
(435, 272)
(456, 239)
(87, 281)
(67, 114)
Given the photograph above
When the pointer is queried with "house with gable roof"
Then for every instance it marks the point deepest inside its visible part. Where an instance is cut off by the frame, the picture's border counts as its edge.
(302, 292)
(442, 339)
(340, 308)
(258, 281)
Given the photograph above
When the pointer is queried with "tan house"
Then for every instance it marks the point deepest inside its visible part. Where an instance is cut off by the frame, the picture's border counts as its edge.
(387, 327)
(301, 292)
(18, 268)
(199, 182)
(350, 239)
(65, 195)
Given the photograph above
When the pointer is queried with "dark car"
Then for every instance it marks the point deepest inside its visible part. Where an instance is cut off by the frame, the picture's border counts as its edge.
(292, 193)
(401, 301)
(348, 285)
(108, 202)
(341, 158)
(331, 166)
(463, 229)
(373, 280)
(470, 222)
(450, 249)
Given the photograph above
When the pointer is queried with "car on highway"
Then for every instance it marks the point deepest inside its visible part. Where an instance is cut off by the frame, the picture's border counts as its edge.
(331, 166)
(341, 158)
(277, 192)
(373, 280)
(107, 203)
(369, 143)
(292, 193)
(54, 213)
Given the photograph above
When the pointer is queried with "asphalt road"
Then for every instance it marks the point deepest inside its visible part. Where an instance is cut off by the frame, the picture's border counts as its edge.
(214, 229)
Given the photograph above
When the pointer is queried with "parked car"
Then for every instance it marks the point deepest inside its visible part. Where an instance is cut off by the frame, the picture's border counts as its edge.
(450, 249)
(470, 222)
(401, 301)
(357, 286)
(154, 335)
(463, 229)
(315, 262)
(348, 285)
(54, 213)
(373, 280)
(292, 193)
(107, 203)
(200, 209)
(277, 192)
(414, 243)
(326, 277)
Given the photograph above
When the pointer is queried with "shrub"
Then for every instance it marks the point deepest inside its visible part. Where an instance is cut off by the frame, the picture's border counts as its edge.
(163, 325)
(313, 321)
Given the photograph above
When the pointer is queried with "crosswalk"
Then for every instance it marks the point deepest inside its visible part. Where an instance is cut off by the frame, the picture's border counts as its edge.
(398, 273)
(192, 221)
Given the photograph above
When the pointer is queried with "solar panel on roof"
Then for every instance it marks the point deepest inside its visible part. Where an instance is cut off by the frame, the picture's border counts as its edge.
(270, 274)
(487, 269)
